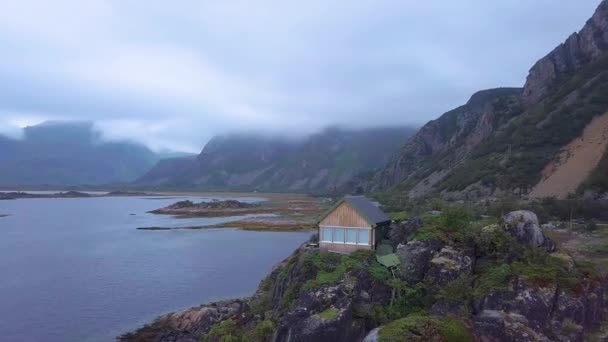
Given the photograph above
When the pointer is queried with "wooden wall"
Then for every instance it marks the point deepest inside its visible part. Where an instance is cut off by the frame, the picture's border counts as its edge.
(344, 216)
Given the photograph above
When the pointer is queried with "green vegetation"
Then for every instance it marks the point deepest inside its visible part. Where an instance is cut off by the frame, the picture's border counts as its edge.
(331, 267)
(229, 331)
(451, 226)
(457, 292)
(261, 332)
(225, 331)
(327, 315)
(424, 328)
(492, 278)
(527, 140)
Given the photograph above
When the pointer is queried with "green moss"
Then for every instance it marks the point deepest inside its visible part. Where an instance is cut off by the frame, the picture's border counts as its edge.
(457, 292)
(261, 332)
(327, 315)
(543, 269)
(411, 328)
(424, 328)
(225, 331)
(400, 216)
(493, 277)
(454, 330)
(428, 233)
(330, 268)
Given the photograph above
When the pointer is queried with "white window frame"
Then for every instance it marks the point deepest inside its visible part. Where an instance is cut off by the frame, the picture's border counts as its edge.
(358, 229)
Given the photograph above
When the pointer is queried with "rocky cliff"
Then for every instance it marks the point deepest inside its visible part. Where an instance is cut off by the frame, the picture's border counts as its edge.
(316, 163)
(503, 282)
(580, 49)
(500, 142)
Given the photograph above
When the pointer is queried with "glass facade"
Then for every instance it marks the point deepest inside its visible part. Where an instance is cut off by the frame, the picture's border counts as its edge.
(352, 236)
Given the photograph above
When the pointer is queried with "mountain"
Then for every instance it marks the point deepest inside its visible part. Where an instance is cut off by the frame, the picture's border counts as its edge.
(522, 141)
(70, 153)
(318, 162)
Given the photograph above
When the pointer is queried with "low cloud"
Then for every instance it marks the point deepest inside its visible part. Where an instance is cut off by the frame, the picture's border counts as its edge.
(171, 75)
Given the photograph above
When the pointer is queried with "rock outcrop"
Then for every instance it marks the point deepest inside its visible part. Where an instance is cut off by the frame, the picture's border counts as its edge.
(580, 49)
(524, 226)
(415, 257)
(498, 143)
(467, 290)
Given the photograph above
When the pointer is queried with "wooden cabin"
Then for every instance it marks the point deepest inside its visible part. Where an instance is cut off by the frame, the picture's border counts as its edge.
(352, 224)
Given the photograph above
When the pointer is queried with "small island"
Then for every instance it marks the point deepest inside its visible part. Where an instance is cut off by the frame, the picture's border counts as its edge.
(210, 209)
(19, 194)
(277, 213)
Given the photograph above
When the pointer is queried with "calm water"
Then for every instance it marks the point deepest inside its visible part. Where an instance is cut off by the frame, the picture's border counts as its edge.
(78, 270)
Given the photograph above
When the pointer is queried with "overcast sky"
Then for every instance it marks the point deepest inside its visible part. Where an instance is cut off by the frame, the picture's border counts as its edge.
(173, 73)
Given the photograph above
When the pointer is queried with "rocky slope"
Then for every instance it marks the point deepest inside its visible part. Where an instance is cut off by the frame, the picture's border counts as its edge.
(501, 282)
(248, 162)
(500, 142)
(62, 153)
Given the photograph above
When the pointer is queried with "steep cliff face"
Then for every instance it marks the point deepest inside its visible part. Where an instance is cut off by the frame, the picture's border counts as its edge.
(315, 163)
(578, 50)
(501, 142)
(443, 143)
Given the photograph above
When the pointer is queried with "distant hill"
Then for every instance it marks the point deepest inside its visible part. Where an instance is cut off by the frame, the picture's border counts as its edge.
(513, 140)
(68, 153)
(316, 163)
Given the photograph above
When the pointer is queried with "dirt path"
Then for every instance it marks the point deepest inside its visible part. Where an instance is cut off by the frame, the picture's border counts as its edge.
(575, 161)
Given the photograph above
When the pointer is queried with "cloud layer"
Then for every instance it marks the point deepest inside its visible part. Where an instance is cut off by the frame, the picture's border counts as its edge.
(172, 74)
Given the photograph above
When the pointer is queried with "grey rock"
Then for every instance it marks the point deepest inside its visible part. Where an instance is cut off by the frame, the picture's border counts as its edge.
(578, 50)
(415, 257)
(372, 336)
(448, 265)
(401, 233)
(523, 225)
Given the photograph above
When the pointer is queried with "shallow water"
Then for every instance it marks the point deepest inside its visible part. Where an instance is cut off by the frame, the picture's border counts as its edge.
(78, 270)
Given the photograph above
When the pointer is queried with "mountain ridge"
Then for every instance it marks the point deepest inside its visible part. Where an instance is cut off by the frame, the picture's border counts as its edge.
(501, 147)
(69, 154)
(247, 162)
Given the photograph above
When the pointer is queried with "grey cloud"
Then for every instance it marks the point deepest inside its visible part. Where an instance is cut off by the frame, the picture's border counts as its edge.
(173, 75)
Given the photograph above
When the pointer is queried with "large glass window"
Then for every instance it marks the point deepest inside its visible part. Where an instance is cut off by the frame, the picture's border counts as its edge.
(326, 234)
(339, 235)
(351, 235)
(345, 235)
(364, 237)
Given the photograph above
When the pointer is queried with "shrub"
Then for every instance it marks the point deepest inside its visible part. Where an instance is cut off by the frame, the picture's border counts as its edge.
(225, 331)
(492, 277)
(457, 292)
(424, 328)
(261, 332)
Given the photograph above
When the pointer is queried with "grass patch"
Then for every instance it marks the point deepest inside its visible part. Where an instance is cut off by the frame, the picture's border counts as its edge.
(327, 315)
(493, 277)
(424, 328)
(330, 267)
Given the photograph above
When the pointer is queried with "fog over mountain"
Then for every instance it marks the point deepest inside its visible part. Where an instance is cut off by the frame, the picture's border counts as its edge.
(60, 153)
(272, 66)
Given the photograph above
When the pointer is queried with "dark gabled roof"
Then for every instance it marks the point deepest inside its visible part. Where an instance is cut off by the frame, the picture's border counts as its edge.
(366, 208)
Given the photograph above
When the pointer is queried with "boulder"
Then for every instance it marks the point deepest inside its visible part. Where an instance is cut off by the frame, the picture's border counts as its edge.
(415, 257)
(523, 226)
(448, 265)
(400, 233)
(323, 314)
(495, 325)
